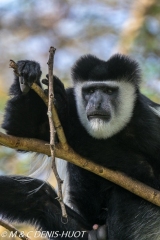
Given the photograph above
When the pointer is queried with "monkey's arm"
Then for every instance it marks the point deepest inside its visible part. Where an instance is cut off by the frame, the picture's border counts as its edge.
(146, 121)
(26, 113)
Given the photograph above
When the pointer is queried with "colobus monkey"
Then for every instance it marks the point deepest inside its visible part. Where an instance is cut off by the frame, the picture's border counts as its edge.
(107, 120)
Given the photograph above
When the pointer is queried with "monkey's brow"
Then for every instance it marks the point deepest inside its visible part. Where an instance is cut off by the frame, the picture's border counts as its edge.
(99, 85)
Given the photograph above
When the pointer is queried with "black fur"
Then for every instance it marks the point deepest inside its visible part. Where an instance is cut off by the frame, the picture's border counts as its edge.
(135, 150)
(118, 67)
(33, 201)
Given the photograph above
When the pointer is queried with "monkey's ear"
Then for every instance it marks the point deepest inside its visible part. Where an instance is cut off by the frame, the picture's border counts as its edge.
(83, 66)
(121, 67)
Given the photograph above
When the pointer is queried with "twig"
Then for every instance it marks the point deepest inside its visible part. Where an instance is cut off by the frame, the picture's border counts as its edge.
(52, 130)
(13, 229)
(140, 189)
(13, 65)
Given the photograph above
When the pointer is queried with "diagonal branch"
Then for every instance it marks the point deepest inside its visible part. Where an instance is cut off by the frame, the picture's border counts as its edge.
(13, 230)
(27, 144)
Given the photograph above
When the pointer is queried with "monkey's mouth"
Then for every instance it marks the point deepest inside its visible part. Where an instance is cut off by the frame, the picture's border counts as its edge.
(104, 116)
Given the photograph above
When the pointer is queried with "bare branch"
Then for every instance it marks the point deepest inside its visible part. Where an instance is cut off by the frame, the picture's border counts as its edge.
(52, 130)
(13, 65)
(121, 179)
(26, 144)
(13, 229)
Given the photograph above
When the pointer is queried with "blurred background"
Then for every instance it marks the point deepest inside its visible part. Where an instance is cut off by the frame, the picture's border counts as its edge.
(28, 28)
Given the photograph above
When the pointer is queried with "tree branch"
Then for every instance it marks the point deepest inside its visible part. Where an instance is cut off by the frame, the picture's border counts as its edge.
(121, 179)
(52, 130)
(13, 229)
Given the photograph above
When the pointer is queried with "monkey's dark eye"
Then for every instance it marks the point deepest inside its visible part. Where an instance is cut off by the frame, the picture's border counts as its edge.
(109, 91)
(91, 90)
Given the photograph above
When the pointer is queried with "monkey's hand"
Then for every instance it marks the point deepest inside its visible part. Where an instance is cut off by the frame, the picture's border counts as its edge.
(29, 72)
(98, 234)
(59, 91)
(60, 100)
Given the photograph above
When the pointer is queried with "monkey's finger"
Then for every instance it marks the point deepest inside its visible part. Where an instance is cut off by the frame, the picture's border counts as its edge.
(21, 80)
(55, 102)
(45, 82)
(46, 92)
(98, 234)
(92, 235)
(23, 85)
(102, 233)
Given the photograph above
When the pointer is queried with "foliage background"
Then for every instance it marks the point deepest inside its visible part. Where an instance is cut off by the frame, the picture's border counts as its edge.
(29, 27)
